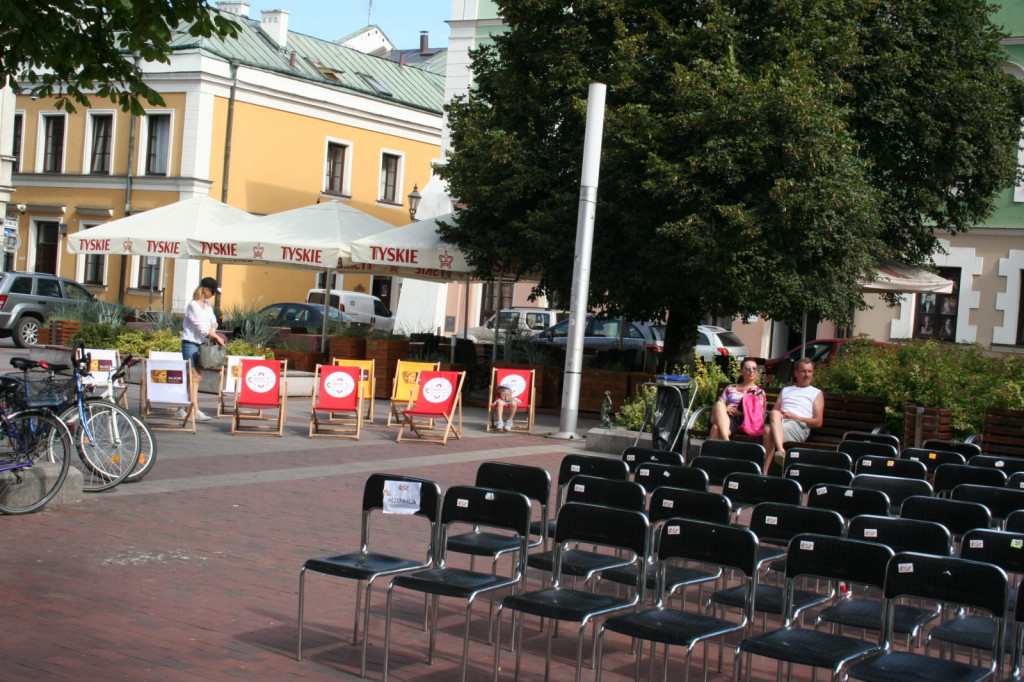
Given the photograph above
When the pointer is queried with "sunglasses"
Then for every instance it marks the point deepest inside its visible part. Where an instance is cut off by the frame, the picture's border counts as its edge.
(750, 369)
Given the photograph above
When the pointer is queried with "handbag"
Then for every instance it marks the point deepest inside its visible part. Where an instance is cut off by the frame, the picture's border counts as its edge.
(211, 355)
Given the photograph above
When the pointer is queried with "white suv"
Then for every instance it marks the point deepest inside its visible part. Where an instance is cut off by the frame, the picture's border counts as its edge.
(524, 320)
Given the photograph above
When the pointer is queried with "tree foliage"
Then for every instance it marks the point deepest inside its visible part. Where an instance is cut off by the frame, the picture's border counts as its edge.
(75, 48)
(758, 155)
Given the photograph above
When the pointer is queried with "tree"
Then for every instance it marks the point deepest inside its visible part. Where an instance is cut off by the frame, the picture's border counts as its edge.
(73, 48)
(737, 171)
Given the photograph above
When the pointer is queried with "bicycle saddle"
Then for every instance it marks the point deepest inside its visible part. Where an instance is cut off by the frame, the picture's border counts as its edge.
(23, 363)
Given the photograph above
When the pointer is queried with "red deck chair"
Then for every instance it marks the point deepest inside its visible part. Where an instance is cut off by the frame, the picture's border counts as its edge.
(439, 398)
(337, 390)
(262, 387)
(521, 383)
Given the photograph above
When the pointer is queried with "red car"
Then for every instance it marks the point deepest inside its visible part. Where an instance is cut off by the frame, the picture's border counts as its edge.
(819, 350)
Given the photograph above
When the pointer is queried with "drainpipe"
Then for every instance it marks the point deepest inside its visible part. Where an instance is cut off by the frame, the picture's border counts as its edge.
(227, 160)
(122, 281)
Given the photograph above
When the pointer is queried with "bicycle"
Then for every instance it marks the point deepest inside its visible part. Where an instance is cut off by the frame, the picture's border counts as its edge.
(35, 454)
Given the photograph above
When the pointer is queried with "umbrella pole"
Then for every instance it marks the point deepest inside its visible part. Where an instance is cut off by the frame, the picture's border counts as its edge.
(327, 310)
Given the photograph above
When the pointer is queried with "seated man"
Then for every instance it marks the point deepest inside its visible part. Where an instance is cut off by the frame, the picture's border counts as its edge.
(799, 409)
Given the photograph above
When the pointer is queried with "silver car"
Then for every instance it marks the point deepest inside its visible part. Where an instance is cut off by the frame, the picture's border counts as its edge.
(28, 298)
(718, 341)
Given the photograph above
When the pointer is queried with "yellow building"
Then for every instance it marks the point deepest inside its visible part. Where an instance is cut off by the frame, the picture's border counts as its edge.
(271, 121)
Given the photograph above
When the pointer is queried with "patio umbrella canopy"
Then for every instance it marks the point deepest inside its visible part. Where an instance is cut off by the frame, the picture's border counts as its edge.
(892, 277)
(414, 250)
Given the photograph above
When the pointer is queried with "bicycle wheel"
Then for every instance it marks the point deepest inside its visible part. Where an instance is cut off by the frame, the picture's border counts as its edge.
(147, 452)
(108, 448)
(36, 451)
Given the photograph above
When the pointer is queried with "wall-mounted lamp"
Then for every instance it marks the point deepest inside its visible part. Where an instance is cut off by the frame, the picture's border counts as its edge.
(414, 202)
(22, 208)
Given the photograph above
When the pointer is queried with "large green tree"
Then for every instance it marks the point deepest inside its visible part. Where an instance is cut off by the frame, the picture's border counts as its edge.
(758, 155)
(77, 48)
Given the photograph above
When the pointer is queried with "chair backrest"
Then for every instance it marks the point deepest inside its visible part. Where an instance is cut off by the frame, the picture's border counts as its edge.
(869, 437)
(167, 381)
(809, 475)
(1000, 501)
(652, 476)
(102, 363)
(949, 476)
(746, 489)
(634, 457)
(366, 370)
(957, 516)
(1016, 480)
(968, 450)
(848, 501)
(897, 488)
(912, 535)
(827, 458)
(233, 372)
(717, 544)
(890, 466)
(605, 526)
(519, 381)
(837, 558)
(406, 373)
(591, 465)
(1014, 521)
(1008, 465)
(667, 502)
(734, 449)
(380, 489)
(932, 458)
(717, 468)
(777, 523)
(1002, 548)
(534, 482)
(260, 383)
(858, 448)
(486, 507)
(606, 492)
(337, 388)
(438, 392)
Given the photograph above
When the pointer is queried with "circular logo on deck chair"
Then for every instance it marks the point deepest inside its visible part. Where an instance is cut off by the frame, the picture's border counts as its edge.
(437, 390)
(515, 383)
(261, 379)
(339, 385)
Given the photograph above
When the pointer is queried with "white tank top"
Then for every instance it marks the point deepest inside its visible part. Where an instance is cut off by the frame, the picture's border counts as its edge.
(799, 401)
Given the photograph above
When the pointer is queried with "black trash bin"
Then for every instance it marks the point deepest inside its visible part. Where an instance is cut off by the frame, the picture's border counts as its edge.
(671, 410)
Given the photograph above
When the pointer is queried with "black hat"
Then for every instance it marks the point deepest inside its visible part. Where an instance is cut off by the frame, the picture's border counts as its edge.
(211, 284)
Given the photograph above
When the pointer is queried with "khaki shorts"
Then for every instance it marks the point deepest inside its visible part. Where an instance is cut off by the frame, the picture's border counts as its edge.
(794, 431)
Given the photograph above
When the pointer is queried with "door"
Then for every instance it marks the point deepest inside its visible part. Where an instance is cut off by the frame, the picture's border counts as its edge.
(47, 239)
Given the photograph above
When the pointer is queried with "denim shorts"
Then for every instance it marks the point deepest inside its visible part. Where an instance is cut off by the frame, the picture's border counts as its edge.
(190, 351)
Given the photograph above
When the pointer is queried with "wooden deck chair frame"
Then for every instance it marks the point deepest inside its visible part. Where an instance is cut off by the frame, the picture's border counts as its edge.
(524, 386)
(403, 387)
(420, 414)
(344, 413)
(228, 383)
(369, 380)
(247, 416)
(102, 363)
(160, 415)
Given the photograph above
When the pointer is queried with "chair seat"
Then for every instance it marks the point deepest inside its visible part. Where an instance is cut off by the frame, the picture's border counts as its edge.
(767, 598)
(894, 666)
(865, 613)
(451, 582)
(482, 544)
(807, 647)
(669, 626)
(359, 565)
(675, 576)
(575, 562)
(977, 632)
(563, 604)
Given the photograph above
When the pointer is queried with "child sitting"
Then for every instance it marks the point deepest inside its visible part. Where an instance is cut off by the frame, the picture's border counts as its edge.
(504, 398)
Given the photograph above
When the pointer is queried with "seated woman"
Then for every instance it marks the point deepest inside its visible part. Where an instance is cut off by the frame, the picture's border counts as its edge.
(727, 413)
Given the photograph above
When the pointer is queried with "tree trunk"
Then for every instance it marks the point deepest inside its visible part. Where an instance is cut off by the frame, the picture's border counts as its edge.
(680, 338)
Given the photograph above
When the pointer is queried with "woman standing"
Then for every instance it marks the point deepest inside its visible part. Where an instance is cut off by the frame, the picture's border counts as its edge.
(199, 326)
(727, 415)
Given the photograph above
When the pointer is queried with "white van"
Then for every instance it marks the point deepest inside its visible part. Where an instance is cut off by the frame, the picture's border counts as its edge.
(360, 307)
(526, 320)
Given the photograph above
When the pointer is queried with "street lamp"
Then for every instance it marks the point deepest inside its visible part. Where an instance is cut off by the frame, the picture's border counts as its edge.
(414, 202)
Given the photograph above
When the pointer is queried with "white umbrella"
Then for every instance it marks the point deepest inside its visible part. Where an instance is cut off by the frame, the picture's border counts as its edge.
(415, 250)
(159, 231)
(892, 277)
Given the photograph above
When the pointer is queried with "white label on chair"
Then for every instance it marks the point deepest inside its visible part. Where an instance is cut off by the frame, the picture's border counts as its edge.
(1017, 543)
(579, 488)
(821, 491)
(795, 455)
(807, 545)
(867, 463)
(871, 532)
(848, 493)
(733, 485)
(462, 502)
(437, 390)
(668, 504)
(977, 544)
(673, 530)
(575, 468)
(339, 385)
(401, 497)
(488, 496)
(794, 473)
(905, 568)
(1000, 464)
(914, 459)
(261, 379)
(630, 458)
(771, 520)
(665, 474)
(644, 472)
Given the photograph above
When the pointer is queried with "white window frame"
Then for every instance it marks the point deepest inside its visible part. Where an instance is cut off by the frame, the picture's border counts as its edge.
(20, 152)
(80, 261)
(87, 155)
(41, 141)
(144, 142)
(399, 201)
(346, 180)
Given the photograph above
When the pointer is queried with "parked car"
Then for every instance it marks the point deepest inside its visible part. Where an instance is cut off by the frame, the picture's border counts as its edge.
(28, 298)
(819, 350)
(304, 318)
(525, 320)
(360, 307)
(606, 333)
(718, 341)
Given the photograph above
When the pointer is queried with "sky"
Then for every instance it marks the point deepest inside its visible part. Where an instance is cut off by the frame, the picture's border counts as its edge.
(401, 20)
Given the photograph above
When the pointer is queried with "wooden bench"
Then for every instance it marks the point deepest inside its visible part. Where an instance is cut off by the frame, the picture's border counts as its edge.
(843, 412)
(1002, 434)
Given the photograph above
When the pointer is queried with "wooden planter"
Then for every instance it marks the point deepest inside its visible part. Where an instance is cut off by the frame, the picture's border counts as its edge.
(922, 423)
(43, 336)
(594, 383)
(61, 331)
(386, 353)
(300, 360)
(348, 347)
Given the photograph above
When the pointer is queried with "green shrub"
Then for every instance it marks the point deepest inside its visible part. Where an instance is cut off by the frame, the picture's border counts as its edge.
(631, 415)
(98, 335)
(706, 376)
(242, 347)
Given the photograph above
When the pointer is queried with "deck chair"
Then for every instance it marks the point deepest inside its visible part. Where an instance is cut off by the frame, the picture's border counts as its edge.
(403, 389)
(438, 397)
(337, 392)
(368, 376)
(524, 388)
(163, 391)
(229, 382)
(102, 363)
(262, 387)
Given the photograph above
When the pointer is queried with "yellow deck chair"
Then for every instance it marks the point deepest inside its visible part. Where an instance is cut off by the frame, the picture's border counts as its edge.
(404, 387)
(368, 380)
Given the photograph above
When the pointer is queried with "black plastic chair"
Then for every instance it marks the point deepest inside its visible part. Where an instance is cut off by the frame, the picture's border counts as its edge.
(1000, 501)
(574, 465)
(890, 466)
(501, 510)
(932, 457)
(949, 476)
(719, 545)
(1008, 465)
(368, 565)
(968, 450)
(848, 501)
(635, 456)
(1015, 480)
(870, 437)
(810, 475)
(652, 475)
(835, 559)
(1017, 657)
(1014, 521)
(944, 579)
(734, 449)
(826, 458)
(717, 468)
(859, 448)
(745, 490)
(957, 516)
(895, 487)
(616, 529)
